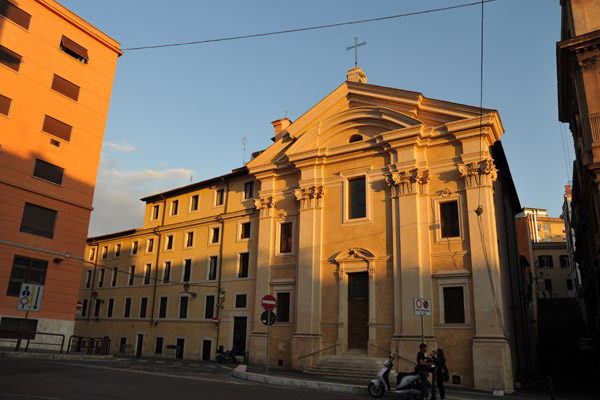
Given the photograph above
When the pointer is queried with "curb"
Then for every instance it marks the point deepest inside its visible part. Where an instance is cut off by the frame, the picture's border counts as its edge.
(240, 372)
(44, 356)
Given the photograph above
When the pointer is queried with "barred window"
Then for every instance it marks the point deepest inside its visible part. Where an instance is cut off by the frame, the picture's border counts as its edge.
(454, 305)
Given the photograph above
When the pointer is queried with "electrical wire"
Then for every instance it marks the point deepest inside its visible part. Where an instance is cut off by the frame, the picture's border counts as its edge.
(362, 21)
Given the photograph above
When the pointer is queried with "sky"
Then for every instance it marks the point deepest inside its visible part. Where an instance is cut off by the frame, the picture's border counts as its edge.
(180, 114)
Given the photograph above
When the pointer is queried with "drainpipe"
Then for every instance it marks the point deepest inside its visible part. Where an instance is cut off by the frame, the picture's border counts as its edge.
(222, 238)
(156, 231)
(89, 310)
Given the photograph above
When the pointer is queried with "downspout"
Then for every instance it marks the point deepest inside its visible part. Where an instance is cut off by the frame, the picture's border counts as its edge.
(89, 310)
(156, 231)
(222, 238)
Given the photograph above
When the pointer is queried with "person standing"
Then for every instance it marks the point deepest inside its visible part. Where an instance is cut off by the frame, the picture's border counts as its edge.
(423, 365)
(438, 375)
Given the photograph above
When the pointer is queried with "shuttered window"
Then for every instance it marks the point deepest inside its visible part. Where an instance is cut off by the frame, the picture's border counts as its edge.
(38, 220)
(454, 305)
(74, 50)
(48, 172)
(63, 86)
(26, 270)
(9, 58)
(15, 14)
(57, 128)
(4, 105)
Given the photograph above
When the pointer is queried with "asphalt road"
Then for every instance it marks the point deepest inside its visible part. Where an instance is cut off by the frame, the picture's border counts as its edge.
(23, 379)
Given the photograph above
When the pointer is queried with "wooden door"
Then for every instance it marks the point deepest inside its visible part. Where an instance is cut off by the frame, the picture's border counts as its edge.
(358, 310)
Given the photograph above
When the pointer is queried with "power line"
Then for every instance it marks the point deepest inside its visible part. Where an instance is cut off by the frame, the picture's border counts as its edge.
(362, 21)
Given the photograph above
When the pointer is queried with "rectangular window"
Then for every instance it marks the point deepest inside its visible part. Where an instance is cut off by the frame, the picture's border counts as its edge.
(57, 128)
(187, 270)
(147, 274)
(167, 272)
(143, 307)
(97, 308)
(158, 347)
(214, 237)
(248, 190)
(454, 305)
(134, 248)
(26, 270)
(547, 228)
(15, 14)
(104, 252)
(285, 239)
(212, 268)
(174, 207)
(357, 198)
(240, 300)
(169, 243)
(48, 172)
(38, 220)
(449, 223)
(183, 306)
(84, 308)
(10, 59)
(117, 251)
(4, 105)
(194, 203)
(131, 275)
(189, 239)
(545, 262)
(162, 308)
(115, 274)
(569, 284)
(564, 261)
(64, 87)
(155, 212)
(12, 328)
(245, 230)
(110, 307)
(88, 279)
(101, 278)
(127, 311)
(548, 284)
(209, 307)
(150, 245)
(243, 267)
(74, 50)
(219, 197)
(283, 307)
(92, 254)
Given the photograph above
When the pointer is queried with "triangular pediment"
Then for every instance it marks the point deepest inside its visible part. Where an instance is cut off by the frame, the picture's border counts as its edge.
(355, 114)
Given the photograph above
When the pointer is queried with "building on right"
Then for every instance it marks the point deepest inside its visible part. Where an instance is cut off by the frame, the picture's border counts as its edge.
(579, 105)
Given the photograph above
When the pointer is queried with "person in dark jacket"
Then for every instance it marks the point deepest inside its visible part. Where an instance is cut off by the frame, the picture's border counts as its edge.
(438, 376)
(423, 365)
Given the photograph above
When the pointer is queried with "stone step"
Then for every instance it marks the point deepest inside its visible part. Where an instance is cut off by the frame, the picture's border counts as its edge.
(355, 366)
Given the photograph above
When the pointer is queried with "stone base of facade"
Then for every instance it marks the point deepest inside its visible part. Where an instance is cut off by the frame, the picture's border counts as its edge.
(302, 346)
(492, 366)
(47, 342)
(258, 348)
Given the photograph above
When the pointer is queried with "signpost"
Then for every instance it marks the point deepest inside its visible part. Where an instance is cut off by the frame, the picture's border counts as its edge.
(268, 318)
(30, 299)
(422, 307)
(79, 307)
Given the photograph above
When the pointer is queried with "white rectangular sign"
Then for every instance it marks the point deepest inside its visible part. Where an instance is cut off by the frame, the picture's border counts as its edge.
(422, 306)
(30, 297)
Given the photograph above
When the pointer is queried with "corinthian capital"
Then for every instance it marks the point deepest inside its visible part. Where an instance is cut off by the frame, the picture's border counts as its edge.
(408, 181)
(264, 205)
(309, 197)
(479, 173)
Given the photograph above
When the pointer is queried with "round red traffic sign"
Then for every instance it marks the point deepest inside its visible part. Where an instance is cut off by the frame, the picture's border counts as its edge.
(268, 302)
(215, 321)
(79, 305)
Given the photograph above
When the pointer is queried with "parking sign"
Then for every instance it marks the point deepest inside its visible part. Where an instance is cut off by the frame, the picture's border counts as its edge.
(422, 306)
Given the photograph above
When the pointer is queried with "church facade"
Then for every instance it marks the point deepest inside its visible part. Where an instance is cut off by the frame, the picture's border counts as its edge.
(374, 198)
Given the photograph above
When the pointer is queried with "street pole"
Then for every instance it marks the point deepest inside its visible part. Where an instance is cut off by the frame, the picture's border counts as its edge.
(21, 331)
(268, 326)
(422, 333)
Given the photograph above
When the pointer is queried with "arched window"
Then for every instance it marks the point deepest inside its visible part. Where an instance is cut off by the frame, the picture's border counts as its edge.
(355, 138)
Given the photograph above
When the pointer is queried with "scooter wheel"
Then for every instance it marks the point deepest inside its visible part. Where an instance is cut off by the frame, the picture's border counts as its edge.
(376, 390)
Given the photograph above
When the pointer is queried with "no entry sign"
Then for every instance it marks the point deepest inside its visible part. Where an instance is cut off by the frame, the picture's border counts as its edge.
(422, 306)
(79, 307)
(268, 302)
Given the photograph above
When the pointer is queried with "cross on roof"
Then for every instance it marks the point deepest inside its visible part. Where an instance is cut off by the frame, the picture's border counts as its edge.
(355, 47)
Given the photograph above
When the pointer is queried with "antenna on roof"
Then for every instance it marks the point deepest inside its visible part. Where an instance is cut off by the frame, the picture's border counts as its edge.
(244, 151)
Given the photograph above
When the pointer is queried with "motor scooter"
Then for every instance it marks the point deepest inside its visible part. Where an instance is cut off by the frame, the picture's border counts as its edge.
(227, 355)
(407, 383)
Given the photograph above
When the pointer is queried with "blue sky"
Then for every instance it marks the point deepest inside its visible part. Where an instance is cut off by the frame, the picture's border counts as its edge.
(180, 113)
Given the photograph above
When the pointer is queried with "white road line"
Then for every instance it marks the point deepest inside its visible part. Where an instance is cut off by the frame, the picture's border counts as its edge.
(27, 396)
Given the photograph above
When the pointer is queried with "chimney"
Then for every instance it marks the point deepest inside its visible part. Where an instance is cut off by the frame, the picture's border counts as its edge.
(568, 190)
(280, 125)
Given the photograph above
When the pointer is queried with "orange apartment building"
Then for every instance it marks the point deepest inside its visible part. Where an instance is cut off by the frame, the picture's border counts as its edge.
(56, 76)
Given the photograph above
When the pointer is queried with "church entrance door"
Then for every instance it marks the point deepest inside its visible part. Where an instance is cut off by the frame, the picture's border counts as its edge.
(358, 310)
